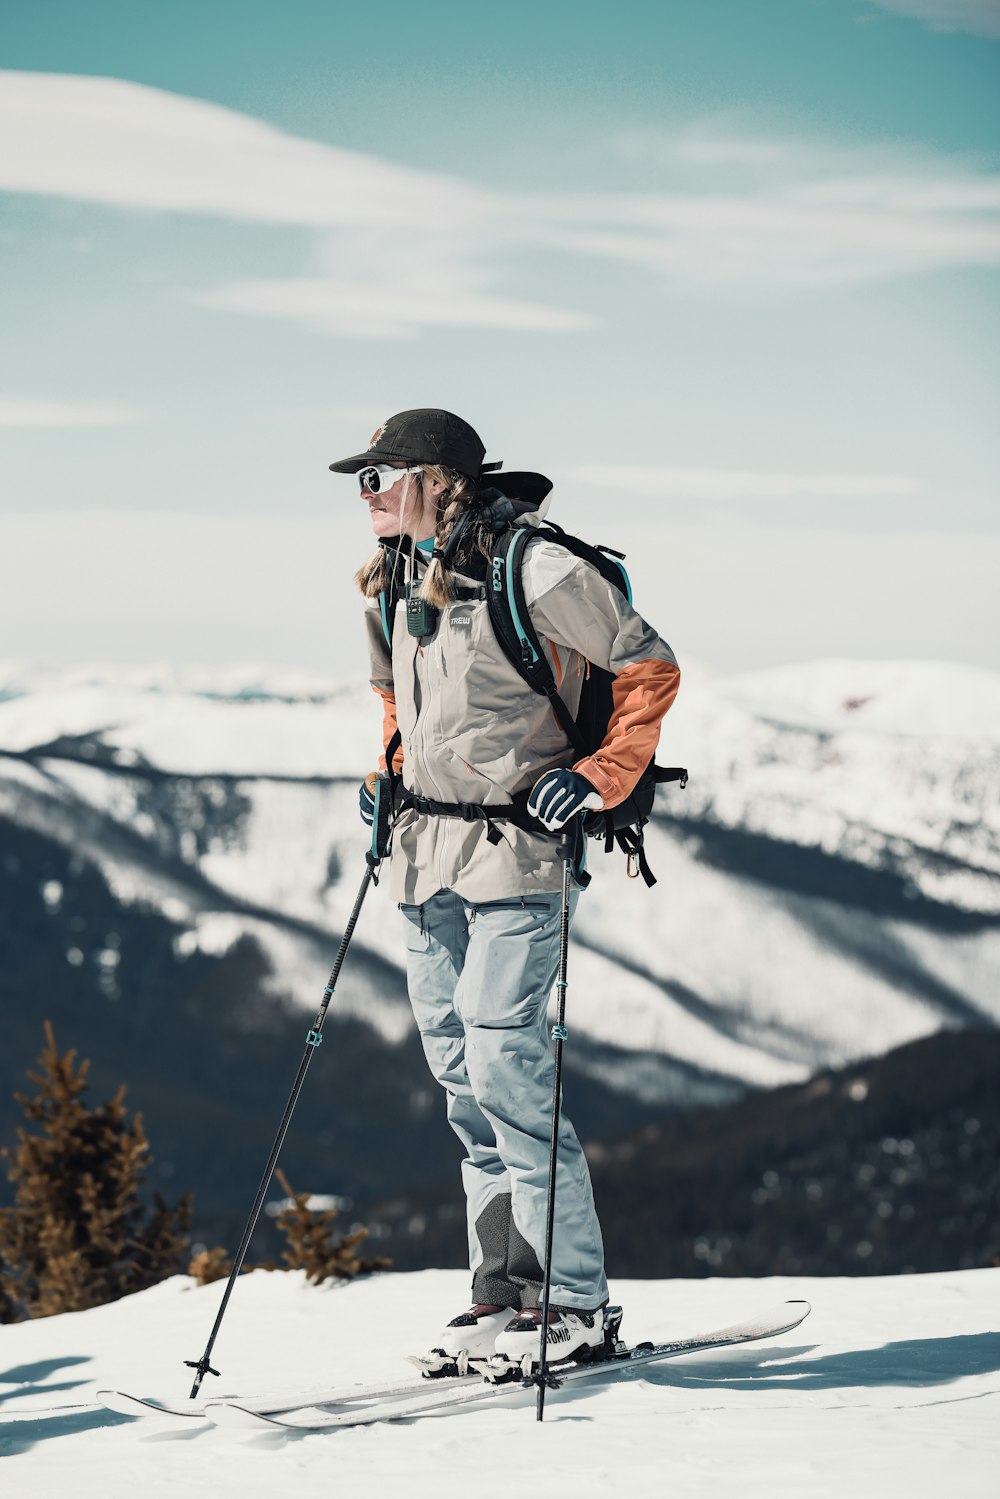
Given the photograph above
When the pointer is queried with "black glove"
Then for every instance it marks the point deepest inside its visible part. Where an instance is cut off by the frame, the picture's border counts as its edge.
(558, 795)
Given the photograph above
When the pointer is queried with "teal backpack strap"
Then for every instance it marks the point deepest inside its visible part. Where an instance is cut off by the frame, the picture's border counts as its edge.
(508, 611)
(383, 605)
(622, 825)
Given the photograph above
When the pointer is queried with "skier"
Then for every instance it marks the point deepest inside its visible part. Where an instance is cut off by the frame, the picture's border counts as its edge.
(481, 899)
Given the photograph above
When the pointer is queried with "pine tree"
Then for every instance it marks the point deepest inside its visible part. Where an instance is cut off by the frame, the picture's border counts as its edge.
(311, 1246)
(78, 1234)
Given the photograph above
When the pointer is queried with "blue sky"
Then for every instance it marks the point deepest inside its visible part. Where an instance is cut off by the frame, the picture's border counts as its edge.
(726, 269)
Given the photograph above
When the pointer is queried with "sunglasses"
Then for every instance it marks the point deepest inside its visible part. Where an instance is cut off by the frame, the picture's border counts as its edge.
(381, 476)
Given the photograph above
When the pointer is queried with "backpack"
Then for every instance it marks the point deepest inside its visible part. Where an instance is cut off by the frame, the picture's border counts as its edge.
(508, 613)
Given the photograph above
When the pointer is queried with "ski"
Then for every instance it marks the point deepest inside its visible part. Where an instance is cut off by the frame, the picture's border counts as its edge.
(324, 1414)
(125, 1404)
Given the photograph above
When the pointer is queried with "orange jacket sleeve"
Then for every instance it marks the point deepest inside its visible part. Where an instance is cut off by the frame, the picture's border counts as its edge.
(642, 692)
(572, 604)
(389, 727)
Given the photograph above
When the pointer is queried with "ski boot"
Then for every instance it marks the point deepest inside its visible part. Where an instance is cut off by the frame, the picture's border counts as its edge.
(466, 1341)
(573, 1337)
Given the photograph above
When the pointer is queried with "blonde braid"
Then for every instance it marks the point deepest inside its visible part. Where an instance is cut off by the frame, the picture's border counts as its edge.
(374, 575)
(435, 585)
(458, 498)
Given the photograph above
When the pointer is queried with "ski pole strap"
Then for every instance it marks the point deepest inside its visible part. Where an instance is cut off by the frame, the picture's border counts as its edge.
(391, 750)
(385, 812)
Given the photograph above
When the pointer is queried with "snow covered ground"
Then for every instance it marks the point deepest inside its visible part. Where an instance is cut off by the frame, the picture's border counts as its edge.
(892, 1386)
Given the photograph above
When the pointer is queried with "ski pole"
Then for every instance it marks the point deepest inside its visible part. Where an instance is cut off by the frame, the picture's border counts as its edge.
(203, 1365)
(543, 1379)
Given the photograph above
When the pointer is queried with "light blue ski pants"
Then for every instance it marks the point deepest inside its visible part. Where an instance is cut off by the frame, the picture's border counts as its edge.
(480, 974)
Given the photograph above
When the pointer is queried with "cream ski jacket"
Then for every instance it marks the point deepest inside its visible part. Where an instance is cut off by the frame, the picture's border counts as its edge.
(473, 731)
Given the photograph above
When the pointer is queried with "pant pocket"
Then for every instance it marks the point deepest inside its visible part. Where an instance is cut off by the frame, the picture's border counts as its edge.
(417, 936)
(539, 906)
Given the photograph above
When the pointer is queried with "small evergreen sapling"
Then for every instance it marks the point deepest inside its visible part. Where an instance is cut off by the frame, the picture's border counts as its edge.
(78, 1234)
(311, 1246)
(209, 1265)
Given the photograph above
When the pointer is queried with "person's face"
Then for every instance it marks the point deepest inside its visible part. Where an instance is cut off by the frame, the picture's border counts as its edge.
(406, 508)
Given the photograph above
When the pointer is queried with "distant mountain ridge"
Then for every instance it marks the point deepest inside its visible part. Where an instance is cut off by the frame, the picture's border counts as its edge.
(829, 883)
(870, 758)
(889, 1166)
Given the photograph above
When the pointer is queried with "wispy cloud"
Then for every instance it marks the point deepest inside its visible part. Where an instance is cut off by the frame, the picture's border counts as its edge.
(727, 485)
(790, 242)
(740, 205)
(16, 412)
(105, 140)
(377, 310)
(376, 284)
(981, 17)
(400, 250)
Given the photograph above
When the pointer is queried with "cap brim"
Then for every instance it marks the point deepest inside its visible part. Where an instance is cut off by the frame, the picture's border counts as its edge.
(517, 486)
(362, 460)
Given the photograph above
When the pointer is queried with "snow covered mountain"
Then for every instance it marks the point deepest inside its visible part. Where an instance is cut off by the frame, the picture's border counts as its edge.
(829, 883)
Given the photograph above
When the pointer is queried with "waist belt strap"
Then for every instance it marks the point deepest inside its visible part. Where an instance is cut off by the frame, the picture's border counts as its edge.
(515, 811)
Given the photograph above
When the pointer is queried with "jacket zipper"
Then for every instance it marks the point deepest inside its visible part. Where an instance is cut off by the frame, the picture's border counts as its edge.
(420, 734)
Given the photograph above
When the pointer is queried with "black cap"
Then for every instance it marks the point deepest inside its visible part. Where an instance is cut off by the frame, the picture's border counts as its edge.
(425, 436)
